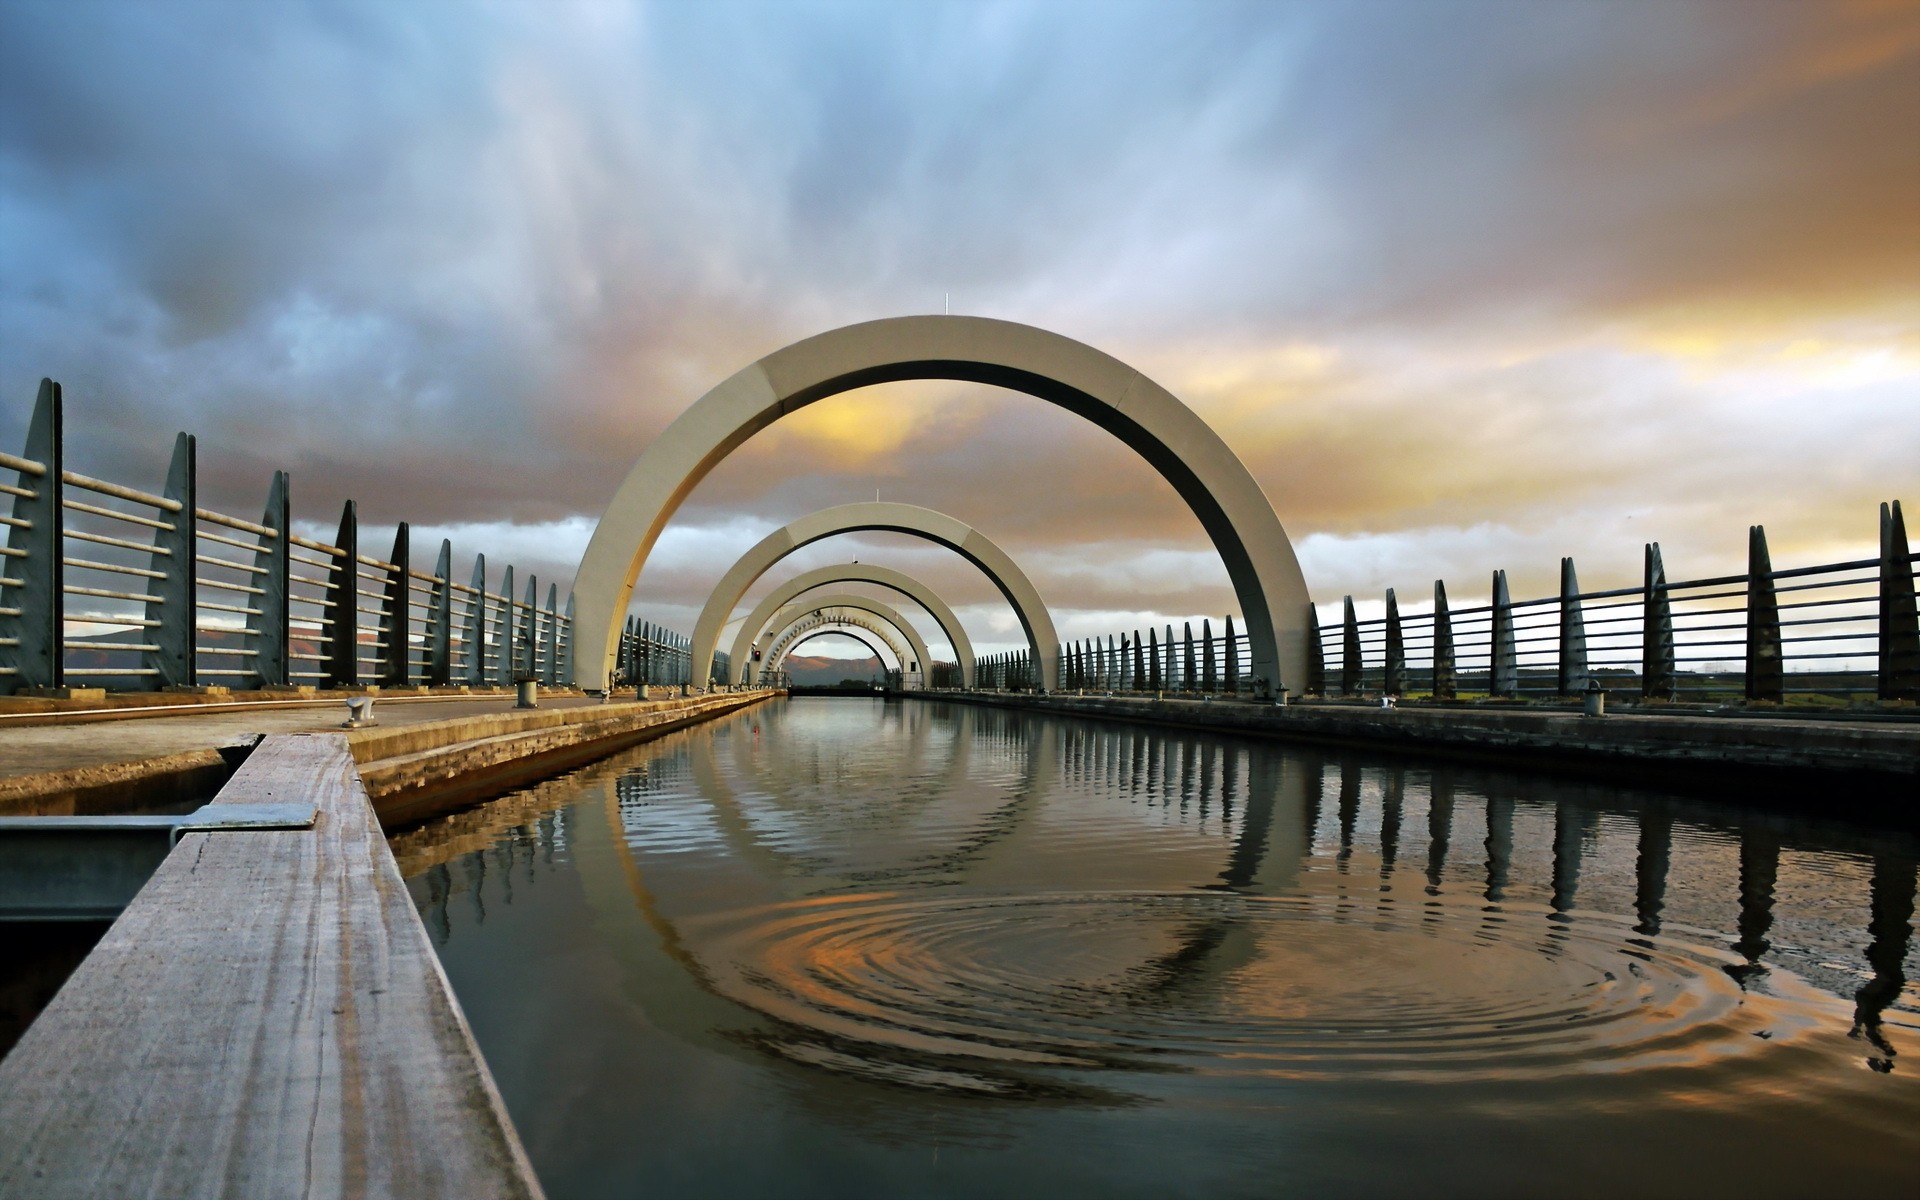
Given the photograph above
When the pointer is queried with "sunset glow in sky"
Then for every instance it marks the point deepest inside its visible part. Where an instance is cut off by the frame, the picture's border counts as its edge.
(1467, 284)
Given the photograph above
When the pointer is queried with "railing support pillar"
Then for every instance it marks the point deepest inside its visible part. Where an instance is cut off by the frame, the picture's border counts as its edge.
(175, 600)
(1766, 669)
(270, 626)
(527, 660)
(503, 633)
(1316, 655)
(1573, 674)
(1899, 624)
(1503, 667)
(1446, 679)
(396, 666)
(1211, 678)
(550, 645)
(1349, 650)
(1233, 660)
(476, 664)
(343, 605)
(1656, 630)
(1394, 676)
(37, 593)
(440, 645)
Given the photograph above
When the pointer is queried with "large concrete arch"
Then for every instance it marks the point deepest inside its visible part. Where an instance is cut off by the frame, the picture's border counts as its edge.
(741, 658)
(909, 519)
(1173, 439)
(842, 601)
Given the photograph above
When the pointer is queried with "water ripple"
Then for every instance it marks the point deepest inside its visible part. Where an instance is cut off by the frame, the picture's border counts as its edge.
(929, 989)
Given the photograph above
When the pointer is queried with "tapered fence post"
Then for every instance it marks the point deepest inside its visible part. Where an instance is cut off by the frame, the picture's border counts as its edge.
(566, 648)
(1153, 660)
(175, 597)
(342, 604)
(1393, 680)
(1656, 630)
(1899, 625)
(1316, 655)
(396, 613)
(1572, 675)
(529, 632)
(1233, 660)
(550, 644)
(1766, 667)
(1349, 650)
(476, 664)
(1503, 665)
(32, 579)
(439, 671)
(269, 625)
(1192, 680)
(1446, 677)
(1210, 676)
(503, 655)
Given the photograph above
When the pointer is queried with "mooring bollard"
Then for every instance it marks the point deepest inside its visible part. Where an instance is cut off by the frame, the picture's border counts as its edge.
(529, 694)
(1280, 698)
(1594, 701)
(359, 712)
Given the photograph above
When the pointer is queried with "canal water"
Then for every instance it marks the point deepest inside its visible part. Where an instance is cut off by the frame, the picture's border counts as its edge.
(856, 948)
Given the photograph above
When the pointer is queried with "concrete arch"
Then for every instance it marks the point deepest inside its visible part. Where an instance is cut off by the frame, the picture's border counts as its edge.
(1173, 439)
(844, 601)
(909, 519)
(812, 625)
(741, 659)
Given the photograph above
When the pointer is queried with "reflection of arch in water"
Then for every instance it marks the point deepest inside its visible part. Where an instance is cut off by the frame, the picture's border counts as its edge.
(1202, 469)
(794, 615)
(763, 612)
(955, 535)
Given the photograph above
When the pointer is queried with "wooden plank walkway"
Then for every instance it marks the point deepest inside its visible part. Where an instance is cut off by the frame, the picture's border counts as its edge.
(267, 1019)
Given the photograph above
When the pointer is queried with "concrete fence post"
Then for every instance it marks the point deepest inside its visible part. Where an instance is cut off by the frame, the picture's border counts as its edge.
(1349, 650)
(1899, 626)
(342, 606)
(396, 613)
(1446, 678)
(1656, 630)
(175, 600)
(550, 646)
(270, 624)
(503, 633)
(1572, 675)
(33, 598)
(1766, 678)
(524, 660)
(1139, 663)
(566, 648)
(1394, 676)
(1503, 664)
(476, 640)
(1153, 660)
(1191, 677)
(439, 671)
(1316, 655)
(1210, 681)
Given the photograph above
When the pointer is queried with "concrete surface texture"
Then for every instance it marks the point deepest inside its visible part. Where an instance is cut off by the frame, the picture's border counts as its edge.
(909, 519)
(1206, 473)
(763, 612)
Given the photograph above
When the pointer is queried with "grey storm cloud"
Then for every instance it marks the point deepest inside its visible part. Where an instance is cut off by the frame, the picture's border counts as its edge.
(1485, 265)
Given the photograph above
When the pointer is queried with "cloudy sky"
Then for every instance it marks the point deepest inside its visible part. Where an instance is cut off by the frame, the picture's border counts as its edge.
(1467, 284)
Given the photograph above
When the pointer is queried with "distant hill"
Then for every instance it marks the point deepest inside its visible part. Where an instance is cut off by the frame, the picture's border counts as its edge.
(819, 671)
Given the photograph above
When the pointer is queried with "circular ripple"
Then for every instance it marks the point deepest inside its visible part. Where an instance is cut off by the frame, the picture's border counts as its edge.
(1225, 984)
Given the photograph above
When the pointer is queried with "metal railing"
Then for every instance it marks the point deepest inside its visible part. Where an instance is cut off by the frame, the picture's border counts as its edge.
(109, 586)
(1826, 633)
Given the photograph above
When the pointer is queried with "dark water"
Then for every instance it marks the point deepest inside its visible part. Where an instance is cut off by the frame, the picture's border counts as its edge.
(847, 948)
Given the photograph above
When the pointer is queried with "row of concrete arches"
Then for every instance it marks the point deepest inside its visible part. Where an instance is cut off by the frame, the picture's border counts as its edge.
(1223, 495)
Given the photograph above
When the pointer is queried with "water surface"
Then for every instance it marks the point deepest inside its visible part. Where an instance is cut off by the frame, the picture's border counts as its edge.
(844, 947)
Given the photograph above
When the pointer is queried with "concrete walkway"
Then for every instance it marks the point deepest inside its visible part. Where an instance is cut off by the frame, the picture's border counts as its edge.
(79, 742)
